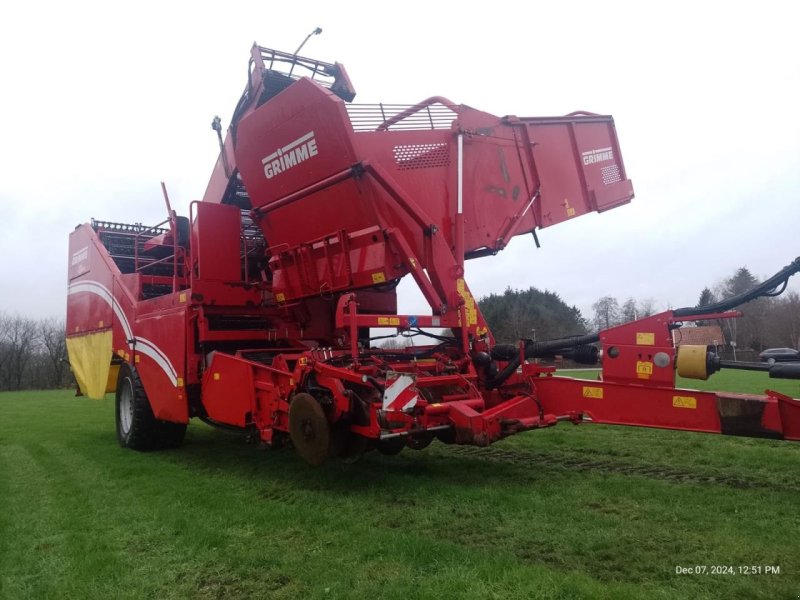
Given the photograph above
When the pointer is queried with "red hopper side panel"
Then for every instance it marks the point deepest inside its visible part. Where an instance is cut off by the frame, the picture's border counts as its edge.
(579, 166)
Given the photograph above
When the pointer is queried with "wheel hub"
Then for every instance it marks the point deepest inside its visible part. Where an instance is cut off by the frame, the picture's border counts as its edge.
(126, 407)
(309, 429)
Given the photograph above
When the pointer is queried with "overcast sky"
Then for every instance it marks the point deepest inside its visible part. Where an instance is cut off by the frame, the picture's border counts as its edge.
(102, 101)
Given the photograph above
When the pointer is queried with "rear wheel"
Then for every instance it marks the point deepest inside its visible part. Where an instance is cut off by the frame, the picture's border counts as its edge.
(137, 428)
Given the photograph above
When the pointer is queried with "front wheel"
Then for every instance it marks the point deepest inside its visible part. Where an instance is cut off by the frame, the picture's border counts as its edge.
(137, 428)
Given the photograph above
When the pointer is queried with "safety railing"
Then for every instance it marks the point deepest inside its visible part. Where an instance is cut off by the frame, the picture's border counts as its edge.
(295, 66)
(433, 113)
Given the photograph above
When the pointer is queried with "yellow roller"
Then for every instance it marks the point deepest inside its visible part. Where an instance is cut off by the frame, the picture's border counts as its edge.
(692, 362)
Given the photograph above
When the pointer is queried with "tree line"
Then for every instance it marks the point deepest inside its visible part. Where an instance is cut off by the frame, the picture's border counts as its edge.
(768, 322)
(33, 353)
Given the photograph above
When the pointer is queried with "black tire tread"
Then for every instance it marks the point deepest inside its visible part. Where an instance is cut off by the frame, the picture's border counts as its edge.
(146, 432)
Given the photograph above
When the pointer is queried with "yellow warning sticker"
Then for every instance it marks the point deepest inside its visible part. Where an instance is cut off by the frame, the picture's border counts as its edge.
(378, 277)
(469, 302)
(392, 321)
(216, 376)
(645, 339)
(280, 297)
(644, 369)
(179, 383)
(182, 297)
(592, 392)
(684, 402)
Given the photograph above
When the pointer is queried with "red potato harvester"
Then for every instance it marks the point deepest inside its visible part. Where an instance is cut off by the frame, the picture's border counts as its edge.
(255, 312)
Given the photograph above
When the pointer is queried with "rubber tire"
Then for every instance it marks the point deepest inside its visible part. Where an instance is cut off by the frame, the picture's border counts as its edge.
(392, 446)
(420, 442)
(145, 432)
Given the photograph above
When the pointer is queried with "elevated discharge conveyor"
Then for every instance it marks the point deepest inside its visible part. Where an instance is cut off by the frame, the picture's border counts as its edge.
(350, 196)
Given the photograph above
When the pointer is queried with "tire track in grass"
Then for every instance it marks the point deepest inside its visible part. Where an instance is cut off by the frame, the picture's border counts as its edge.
(600, 465)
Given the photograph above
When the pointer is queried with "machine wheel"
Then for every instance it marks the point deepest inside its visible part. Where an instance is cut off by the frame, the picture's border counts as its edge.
(419, 442)
(137, 428)
(309, 429)
(352, 447)
(392, 446)
(446, 436)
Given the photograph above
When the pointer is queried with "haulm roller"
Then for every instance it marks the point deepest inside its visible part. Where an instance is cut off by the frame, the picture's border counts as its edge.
(258, 311)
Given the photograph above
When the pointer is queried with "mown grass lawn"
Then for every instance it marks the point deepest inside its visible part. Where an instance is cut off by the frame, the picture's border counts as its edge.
(569, 512)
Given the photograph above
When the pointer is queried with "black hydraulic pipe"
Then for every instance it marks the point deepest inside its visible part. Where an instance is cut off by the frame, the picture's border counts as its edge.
(541, 350)
(743, 366)
(785, 371)
(768, 288)
(790, 370)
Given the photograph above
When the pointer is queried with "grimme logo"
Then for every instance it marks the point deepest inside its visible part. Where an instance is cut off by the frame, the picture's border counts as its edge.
(596, 156)
(292, 154)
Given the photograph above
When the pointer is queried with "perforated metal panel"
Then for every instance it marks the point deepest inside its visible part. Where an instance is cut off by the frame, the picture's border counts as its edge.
(610, 174)
(421, 156)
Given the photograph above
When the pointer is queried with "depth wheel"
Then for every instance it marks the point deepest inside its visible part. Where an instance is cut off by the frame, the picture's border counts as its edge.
(391, 446)
(352, 447)
(419, 442)
(309, 429)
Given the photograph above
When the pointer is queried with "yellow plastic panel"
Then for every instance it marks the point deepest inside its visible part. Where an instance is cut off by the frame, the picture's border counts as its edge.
(90, 359)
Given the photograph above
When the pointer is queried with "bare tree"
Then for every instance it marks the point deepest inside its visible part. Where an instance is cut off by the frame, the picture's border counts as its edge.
(783, 322)
(18, 345)
(54, 347)
(646, 307)
(629, 311)
(606, 312)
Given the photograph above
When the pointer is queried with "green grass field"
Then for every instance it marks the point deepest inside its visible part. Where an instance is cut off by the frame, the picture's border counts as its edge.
(569, 512)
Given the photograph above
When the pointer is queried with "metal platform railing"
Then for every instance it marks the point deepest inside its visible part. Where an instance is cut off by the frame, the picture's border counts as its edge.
(429, 115)
(295, 66)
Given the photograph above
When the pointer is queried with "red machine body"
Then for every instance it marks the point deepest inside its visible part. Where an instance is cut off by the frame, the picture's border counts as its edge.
(255, 311)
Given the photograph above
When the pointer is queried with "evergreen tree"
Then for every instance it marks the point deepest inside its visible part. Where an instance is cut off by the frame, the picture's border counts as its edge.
(522, 314)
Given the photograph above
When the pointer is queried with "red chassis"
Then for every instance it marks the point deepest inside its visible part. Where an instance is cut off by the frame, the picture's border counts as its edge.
(255, 312)
(386, 399)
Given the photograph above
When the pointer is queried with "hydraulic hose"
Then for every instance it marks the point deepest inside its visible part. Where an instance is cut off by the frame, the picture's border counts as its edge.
(770, 287)
(537, 350)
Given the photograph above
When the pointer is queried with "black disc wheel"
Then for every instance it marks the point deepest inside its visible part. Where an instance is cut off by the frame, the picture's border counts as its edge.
(309, 429)
(420, 441)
